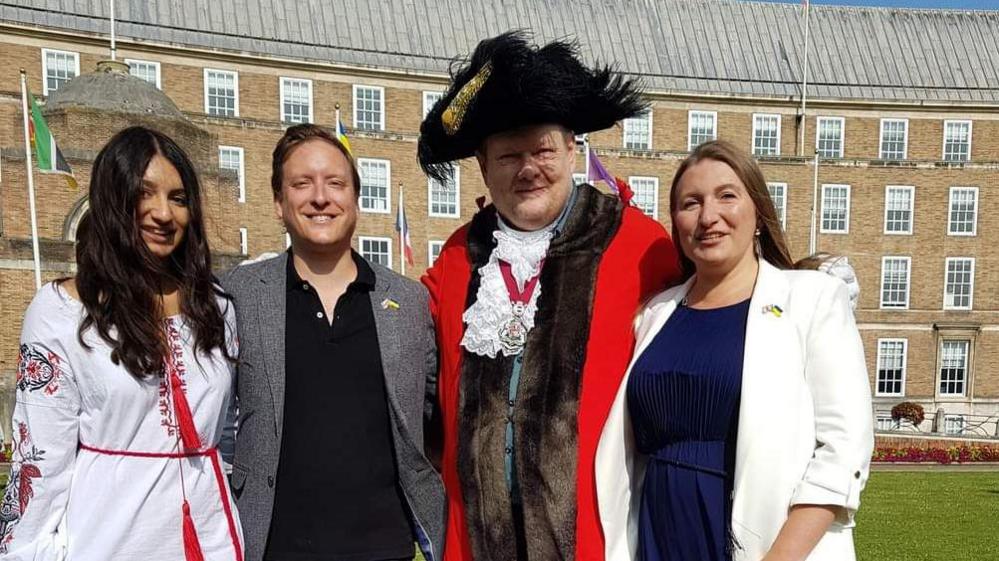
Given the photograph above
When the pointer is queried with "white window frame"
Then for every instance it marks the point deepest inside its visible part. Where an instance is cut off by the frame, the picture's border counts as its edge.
(431, 244)
(235, 86)
(381, 114)
(283, 81)
(153, 63)
(912, 209)
(950, 212)
(243, 242)
(971, 287)
(578, 179)
(241, 197)
(690, 120)
(629, 125)
(757, 117)
(388, 185)
(949, 420)
(943, 150)
(822, 207)
(655, 193)
(45, 66)
(362, 239)
(908, 283)
(885, 419)
(457, 196)
(783, 201)
(427, 104)
(877, 367)
(842, 135)
(966, 381)
(905, 140)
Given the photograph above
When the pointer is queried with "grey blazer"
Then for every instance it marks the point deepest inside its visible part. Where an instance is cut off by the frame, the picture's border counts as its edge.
(409, 360)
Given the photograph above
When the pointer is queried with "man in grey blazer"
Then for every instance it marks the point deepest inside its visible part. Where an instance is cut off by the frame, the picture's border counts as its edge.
(337, 372)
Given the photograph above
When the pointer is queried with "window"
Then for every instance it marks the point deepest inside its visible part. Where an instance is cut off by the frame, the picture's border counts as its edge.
(429, 100)
(829, 137)
(145, 70)
(898, 209)
(885, 422)
(231, 158)
(766, 135)
(700, 127)
(953, 366)
(963, 216)
(375, 192)
(296, 100)
(959, 283)
(953, 424)
(243, 247)
(377, 250)
(444, 197)
(221, 93)
(894, 138)
(434, 248)
(778, 194)
(646, 197)
(578, 179)
(895, 282)
(835, 209)
(891, 367)
(58, 67)
(369, 110)
(957, 141)
(638, 132)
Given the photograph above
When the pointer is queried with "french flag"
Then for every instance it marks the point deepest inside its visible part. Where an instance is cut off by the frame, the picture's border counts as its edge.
(402, 226)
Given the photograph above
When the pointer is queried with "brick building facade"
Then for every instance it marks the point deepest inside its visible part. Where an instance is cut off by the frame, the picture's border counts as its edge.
(906, 186)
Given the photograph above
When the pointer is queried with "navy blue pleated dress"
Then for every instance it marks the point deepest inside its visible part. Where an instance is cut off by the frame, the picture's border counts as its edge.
(683, 395)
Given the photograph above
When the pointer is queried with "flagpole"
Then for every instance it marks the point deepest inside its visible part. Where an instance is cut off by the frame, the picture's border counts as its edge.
(336, 124)
(402, 232)
(586, 151)
(804, 85)
(31, 184)
(813, 236)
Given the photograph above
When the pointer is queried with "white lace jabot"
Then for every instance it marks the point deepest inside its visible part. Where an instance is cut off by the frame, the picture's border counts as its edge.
(492, 309)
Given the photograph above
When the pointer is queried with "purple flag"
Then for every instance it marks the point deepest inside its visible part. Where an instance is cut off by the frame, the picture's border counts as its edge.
(599, 172)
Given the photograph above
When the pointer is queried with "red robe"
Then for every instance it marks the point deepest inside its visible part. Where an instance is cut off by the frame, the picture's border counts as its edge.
(637, 261)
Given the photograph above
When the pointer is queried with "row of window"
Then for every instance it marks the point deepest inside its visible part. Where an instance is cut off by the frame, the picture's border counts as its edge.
(962, 215)
(379, 250)
(296, 104)
(953, 424)
(952, 377)
(959, 282)
(830, 133)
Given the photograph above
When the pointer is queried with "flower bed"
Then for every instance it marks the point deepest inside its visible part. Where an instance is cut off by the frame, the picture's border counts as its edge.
(963, 453)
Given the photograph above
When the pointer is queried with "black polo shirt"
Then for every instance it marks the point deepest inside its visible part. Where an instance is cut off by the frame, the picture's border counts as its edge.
(337, 496)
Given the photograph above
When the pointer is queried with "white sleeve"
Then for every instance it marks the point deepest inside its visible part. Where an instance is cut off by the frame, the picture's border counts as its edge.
(45, 438)
(836, 374)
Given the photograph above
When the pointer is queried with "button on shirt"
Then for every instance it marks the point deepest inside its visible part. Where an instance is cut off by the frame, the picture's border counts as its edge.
(337, 496)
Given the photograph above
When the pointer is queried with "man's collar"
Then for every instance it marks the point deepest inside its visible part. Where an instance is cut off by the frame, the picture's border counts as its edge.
(365, 274)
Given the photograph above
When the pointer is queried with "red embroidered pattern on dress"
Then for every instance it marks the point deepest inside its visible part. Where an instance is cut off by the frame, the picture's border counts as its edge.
(174, 364)
(20, 488)
(38, 368)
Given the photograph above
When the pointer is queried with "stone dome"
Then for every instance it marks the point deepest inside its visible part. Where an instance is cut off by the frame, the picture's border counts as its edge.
(111, 88)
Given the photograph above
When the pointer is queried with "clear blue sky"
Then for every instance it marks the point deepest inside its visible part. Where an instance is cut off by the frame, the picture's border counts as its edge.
(952, 4)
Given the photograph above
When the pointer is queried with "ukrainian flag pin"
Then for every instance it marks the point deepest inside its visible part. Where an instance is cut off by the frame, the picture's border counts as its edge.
(389, 304)
(773, 309)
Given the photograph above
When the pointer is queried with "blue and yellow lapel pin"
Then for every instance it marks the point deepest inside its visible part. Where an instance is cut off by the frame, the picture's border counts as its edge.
(773, 309)
(390, 304)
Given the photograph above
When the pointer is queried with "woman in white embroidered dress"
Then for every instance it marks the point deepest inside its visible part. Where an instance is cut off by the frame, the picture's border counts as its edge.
(123, 378)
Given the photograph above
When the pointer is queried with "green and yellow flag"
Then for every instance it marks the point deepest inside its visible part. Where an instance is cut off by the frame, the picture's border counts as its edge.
(47, 154)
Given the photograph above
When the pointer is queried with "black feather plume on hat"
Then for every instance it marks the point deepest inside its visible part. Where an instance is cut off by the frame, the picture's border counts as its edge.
(507, 84)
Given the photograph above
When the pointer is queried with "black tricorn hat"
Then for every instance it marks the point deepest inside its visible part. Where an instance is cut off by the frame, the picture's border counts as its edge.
(509, 83)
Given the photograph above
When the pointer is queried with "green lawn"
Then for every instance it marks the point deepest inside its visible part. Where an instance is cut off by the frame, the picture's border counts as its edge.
(929, 516)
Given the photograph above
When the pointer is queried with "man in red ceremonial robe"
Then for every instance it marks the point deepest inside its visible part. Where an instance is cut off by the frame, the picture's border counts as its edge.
(533, 300)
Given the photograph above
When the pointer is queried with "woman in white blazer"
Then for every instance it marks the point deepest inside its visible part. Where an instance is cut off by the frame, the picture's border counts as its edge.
(800, 440)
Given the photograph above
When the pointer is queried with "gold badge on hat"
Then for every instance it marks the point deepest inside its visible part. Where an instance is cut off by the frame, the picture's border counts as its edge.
(455, 112)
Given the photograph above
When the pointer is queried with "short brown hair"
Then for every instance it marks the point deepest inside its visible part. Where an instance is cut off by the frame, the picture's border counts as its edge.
(773, 247)
(297, 135)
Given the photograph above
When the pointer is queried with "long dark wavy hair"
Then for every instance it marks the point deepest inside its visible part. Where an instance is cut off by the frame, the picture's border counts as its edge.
(120, 281)
(772, 246)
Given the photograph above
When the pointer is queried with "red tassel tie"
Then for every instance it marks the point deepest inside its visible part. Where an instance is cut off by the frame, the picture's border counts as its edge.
(185, 420)
(192, 548)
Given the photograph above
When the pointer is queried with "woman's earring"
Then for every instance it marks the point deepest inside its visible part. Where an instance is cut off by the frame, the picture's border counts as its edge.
(756, 244)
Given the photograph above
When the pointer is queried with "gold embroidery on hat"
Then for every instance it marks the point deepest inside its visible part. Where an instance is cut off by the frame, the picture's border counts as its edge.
(455, 112)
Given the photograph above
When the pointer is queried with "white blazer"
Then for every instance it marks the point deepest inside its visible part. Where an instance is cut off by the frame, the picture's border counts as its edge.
(805, 430)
